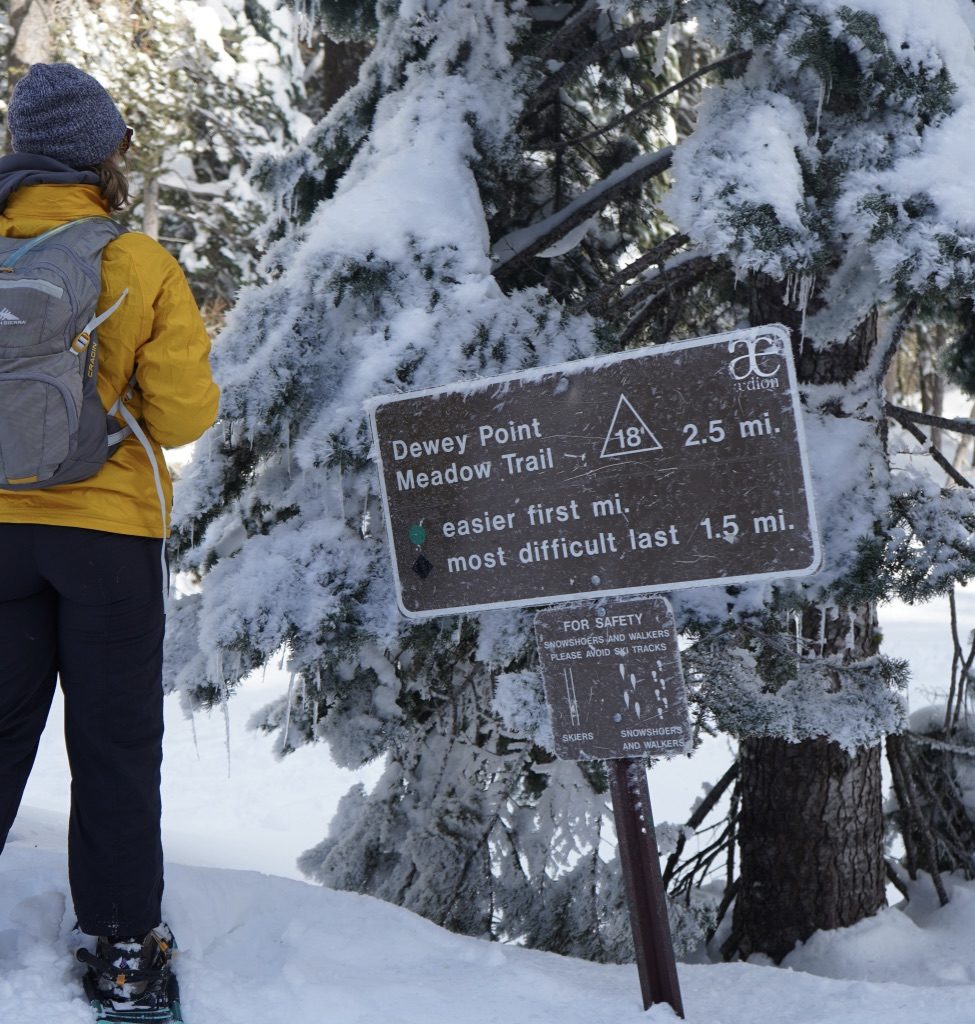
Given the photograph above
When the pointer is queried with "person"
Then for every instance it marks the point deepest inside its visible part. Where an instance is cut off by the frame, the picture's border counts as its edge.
(82, 586)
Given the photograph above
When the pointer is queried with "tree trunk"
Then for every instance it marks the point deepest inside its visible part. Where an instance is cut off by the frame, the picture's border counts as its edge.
(30, 42)
(811, 842)
(810, 830)
(339, 69)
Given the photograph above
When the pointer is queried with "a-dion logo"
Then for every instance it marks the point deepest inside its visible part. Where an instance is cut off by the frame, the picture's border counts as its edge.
(758, 369)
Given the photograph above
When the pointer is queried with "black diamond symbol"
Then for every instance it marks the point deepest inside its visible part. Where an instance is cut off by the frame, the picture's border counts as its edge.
(423, 567)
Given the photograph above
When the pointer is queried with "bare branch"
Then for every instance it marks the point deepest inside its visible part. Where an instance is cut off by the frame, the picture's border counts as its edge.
(907, 423)
(959, 426)
(703, 810)
(687, 265)
(898, 752)
(892, 339)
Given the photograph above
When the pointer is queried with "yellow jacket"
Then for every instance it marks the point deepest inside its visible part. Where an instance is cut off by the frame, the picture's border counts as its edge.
(157, 334)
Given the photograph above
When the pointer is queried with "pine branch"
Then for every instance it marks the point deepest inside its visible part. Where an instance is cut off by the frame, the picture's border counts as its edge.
(654, 100)
(653, 257)
(526, 242)
(571, 69)
(568, 36)
(683, 276)
(687, 266)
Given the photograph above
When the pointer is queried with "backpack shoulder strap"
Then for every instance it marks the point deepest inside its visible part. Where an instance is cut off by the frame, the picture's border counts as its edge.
(82, 341)
(113, 230)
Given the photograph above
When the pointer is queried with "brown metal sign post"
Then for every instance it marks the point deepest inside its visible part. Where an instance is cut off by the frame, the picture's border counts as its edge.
(615, 689)
(640, 861)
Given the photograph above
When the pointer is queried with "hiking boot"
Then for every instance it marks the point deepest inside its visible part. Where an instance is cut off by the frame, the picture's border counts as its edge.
(131, 973)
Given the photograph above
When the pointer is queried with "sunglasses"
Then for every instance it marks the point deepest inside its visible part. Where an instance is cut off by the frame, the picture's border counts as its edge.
(123, 146)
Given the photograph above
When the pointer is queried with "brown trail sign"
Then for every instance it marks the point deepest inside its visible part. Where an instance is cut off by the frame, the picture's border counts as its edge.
(678, 465)
(675, 466)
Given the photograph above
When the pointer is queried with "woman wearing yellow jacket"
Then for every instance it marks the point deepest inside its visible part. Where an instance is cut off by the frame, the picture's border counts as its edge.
(81, 586)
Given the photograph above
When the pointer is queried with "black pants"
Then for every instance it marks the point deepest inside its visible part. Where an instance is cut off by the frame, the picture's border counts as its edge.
(88, 607)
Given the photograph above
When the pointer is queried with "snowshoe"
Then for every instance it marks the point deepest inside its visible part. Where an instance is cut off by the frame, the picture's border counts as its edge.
(132, 982)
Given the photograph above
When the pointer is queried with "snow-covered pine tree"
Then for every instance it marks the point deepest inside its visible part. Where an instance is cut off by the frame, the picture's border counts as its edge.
(209, 87)
(825, 171)
(813, 196)
(383, 280)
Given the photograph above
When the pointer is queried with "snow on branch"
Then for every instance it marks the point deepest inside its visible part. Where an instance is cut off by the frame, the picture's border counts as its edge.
(571, 69)
(525, 242)
(569, 36)
(655, 100)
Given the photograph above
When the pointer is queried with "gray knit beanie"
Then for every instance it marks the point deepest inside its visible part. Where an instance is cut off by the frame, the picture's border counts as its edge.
(59, 111)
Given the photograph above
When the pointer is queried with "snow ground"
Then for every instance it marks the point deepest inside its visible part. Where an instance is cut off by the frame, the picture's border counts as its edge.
(258, 947)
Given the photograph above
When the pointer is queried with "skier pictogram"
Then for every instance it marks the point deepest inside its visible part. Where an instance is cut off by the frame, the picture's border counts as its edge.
(573, 700)
(628, 433)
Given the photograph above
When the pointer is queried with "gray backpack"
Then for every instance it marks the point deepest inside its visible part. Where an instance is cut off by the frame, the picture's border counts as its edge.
(53, 427)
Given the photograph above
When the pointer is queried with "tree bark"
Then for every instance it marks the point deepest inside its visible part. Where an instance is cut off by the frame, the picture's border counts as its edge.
(811, 842)
(340, 69)
(31, 39)
(811, 825)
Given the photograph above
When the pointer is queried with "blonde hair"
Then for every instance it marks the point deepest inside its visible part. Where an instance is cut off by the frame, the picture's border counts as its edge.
(113, 182)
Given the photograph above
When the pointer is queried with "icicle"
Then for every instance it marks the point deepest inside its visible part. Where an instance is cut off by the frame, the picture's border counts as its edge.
(798, 289)
(226, 712)
(286, 441)
(196, 740)
(226, 730)
(318, 694)
(663, 43)
(366, 519)
(823, 92)
(287, 718)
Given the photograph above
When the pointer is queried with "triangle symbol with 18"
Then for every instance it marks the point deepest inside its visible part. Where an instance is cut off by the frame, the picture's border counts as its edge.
(628, 434)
